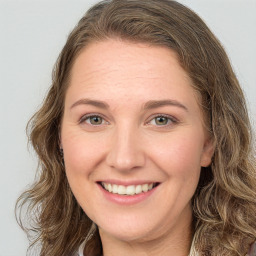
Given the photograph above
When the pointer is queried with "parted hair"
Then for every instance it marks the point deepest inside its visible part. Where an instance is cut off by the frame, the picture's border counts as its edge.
(224, 204)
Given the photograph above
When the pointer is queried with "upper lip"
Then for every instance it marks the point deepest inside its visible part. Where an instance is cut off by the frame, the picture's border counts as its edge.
(127, 182)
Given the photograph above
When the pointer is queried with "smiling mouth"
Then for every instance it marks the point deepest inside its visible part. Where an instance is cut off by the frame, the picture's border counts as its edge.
(128, 190)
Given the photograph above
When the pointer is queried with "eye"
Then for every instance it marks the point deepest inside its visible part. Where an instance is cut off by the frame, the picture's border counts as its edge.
(94, 120)
(162, 120)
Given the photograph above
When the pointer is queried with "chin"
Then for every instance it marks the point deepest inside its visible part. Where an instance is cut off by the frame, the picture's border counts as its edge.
(130, 229)
(128, 234)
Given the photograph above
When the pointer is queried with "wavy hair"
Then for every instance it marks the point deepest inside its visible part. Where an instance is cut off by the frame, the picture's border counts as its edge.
(224, 204)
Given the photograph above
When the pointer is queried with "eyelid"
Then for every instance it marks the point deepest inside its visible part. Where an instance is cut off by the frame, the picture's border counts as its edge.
(173, 119)
(84, 117)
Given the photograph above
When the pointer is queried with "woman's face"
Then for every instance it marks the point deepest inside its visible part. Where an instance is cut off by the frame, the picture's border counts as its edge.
(132, 124)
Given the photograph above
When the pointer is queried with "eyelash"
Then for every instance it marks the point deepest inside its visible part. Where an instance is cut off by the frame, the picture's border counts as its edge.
(85, 117)
(171, 119)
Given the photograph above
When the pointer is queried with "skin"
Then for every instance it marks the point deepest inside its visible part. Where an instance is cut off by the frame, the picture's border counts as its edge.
(129, 144)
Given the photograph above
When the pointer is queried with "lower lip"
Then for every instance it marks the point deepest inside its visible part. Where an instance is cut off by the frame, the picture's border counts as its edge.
(125, 199)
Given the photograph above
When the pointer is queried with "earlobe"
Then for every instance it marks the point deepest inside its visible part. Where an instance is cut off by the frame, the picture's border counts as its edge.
(207, 153)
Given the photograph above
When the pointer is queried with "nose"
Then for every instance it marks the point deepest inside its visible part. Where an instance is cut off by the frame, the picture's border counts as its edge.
(126, 150)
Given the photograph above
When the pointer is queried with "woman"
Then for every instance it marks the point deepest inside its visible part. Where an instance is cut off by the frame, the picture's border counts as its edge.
(144, 140)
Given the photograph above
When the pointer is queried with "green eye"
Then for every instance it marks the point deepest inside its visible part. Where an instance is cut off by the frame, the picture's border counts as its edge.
(94, 120)
(161, 120)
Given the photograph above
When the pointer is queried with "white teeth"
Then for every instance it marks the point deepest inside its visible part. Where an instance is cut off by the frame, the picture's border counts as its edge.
(130, 190)
(145, 187)
(109, 188)
(121, 190)
(127, 190)
(138, 189)
(114, 189)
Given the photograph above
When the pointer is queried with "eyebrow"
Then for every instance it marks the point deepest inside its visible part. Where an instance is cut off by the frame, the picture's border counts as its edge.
(148, 105)
(161, 103)
(96, 103)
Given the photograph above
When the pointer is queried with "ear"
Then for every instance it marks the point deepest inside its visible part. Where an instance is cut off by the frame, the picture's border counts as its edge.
(208, 151)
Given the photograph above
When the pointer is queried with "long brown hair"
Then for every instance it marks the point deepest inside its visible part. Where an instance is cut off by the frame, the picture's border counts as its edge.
(224, 204)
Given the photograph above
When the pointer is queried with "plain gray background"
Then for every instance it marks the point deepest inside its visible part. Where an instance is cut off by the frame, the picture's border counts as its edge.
(32, 35)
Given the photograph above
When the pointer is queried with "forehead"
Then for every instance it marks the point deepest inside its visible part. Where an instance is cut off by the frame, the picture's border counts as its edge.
(114, 67)
(114, 55)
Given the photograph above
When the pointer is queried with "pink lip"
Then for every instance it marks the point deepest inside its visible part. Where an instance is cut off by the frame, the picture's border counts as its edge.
(126, 200)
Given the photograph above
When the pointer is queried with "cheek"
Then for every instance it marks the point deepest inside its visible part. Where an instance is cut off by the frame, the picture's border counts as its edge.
(82, 155)
(81, 152)
(178, 153)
